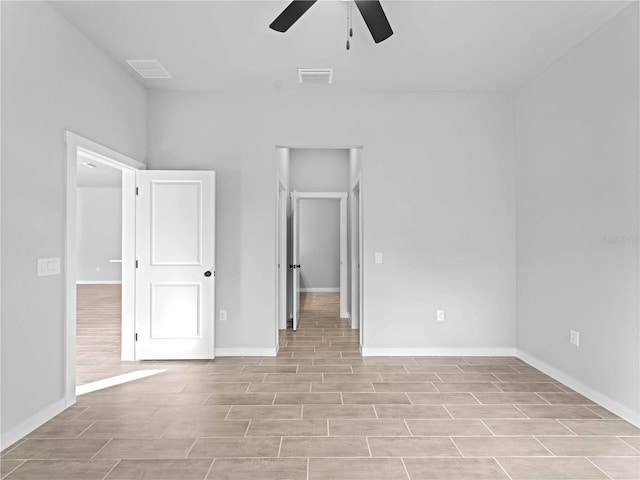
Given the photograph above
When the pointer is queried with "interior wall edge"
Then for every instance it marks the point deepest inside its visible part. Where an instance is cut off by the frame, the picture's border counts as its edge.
(29, 424)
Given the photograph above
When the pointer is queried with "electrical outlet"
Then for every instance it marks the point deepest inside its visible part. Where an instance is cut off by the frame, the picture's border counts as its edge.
(440, 315)
(575, 338)
(378, 257)
(223, 315)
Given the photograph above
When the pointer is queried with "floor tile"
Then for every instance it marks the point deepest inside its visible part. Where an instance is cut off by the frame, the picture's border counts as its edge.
(447, 427)
(619, 468)
(324, 447)
(270, 412)
(538, 426)
(587, 446)
(212, 428)
(617, 428)
(551, 468)
(307, 398)
(500, 446)
(375, 398)
(60, 430)
(412, 447)
(471, 387)
(404, 387)
(411, 411)
(160, 470)
(356, 469)
(360, 387)
(633, 441)
(365, 427)
(240, 399)
(54, 449)
(565, 398)
(338, 411)
(141, 448)
(62, 470)
(454, 469)
(7, 466)
(265, 428)
(279, 387)
(484, 411)
(557, 411)
(443, 398)
(523, 398)
(259, 468)
(235, 447)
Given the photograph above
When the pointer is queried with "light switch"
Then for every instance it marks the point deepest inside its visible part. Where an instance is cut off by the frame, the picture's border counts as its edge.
(378, 257)
(48, 266)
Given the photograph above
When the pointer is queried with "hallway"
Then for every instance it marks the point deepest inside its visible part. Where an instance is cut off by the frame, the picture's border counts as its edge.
(321, 411)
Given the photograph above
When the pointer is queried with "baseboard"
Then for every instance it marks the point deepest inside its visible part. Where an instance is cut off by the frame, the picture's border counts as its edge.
(27, 426)
(246, 352)
(320, 290)
(438, 352)
(626, 413)
(99, 282)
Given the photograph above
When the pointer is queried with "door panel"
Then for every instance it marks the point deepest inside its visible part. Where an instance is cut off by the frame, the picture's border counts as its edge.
(175, 234)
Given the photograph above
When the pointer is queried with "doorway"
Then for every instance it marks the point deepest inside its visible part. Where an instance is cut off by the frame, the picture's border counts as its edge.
(317, 172)
(99, 270)
(81, 150)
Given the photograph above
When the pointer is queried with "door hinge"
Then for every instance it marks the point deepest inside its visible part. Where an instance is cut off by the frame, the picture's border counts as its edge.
(136, 337)
(136, 263)
(137, 191)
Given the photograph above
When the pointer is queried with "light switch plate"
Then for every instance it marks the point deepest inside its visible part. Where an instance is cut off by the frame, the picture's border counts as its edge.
(48, 266)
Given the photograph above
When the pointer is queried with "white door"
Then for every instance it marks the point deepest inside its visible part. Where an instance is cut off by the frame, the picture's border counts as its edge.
(295, 260)
(175, 234)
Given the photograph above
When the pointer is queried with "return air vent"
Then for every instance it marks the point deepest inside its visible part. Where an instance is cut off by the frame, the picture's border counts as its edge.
(149, 68)
(315, 76)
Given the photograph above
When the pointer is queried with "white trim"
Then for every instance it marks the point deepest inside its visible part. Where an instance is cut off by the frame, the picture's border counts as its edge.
(320, 147)
(320, 290)
(76, 144)
(626, 413)
(322, 195)
(98, 282)
(245, 352)
(30, 424)
(441, 352)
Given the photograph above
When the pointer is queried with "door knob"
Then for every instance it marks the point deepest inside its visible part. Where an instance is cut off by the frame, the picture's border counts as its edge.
(207, 273)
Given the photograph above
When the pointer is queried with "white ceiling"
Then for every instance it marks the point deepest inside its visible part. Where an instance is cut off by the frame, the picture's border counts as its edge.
(437, 45)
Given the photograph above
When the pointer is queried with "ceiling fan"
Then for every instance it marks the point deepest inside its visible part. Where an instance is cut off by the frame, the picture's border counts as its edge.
(371, 12)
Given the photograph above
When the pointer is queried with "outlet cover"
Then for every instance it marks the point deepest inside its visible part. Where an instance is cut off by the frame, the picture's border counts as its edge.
(440, 315)
(378, 257)
(575, 338)
(223, 315)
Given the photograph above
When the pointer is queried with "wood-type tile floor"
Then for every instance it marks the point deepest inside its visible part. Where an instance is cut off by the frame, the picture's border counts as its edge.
(320, 411)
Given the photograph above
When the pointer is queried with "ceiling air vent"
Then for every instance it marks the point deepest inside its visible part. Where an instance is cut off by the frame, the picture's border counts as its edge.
(315, 76)
(149, 68)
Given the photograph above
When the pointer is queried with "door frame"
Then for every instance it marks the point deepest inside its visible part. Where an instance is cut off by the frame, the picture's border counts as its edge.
(77, 145)
(282, 219)
(342, 197)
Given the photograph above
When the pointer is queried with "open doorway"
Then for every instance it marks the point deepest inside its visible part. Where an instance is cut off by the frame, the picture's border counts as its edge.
(98, 269)
(82, 150)
(310, 180)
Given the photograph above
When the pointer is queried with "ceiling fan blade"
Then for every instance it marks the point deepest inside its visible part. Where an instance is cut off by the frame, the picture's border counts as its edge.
(375, 19)
(291, 14)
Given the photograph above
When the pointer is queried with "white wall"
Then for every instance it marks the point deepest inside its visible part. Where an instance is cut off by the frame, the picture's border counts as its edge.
(319, 170)
(439, 203)
(577, 235)
(99, 234)
(53, 79)
(319, 244)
